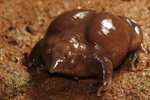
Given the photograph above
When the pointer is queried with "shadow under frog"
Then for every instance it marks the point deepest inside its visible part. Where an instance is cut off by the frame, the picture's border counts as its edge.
(83, 43)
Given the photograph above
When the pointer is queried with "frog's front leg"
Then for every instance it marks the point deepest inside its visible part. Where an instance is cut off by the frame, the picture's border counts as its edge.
(35, 56)
(105, 75)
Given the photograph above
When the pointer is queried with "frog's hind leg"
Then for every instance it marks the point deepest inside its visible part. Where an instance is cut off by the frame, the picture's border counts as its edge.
(133, 57)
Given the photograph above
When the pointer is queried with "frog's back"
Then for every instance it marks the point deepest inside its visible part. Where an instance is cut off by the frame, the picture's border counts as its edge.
(109, 36)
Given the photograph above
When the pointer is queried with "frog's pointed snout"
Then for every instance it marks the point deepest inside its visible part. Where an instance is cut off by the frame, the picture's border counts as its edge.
(55, 67)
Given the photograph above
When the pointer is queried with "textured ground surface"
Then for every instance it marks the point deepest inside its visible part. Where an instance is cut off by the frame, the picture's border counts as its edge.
(24, 22)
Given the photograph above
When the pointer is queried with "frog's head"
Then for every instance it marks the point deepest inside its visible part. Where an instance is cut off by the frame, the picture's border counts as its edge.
(65, 57)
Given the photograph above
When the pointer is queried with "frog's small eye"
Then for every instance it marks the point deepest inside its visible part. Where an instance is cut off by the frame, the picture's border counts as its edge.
(69, 55)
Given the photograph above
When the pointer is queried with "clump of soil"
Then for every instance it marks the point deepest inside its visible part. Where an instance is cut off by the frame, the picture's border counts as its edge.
(23, 23)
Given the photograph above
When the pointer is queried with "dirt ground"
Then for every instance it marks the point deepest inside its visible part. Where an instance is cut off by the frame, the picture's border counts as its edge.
(24, 22)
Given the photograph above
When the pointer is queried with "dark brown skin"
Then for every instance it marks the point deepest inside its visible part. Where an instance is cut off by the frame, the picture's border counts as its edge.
(83, 43)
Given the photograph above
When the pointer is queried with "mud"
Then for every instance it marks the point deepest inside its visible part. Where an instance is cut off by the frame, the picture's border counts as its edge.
(23, 23)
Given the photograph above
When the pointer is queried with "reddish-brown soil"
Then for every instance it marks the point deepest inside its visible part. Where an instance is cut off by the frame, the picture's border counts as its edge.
(24, 22)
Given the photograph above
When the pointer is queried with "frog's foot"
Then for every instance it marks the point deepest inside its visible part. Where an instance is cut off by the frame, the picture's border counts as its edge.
(133, 56)
(97, 89)
(93, 89)
(36, 63)
(105, 85)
